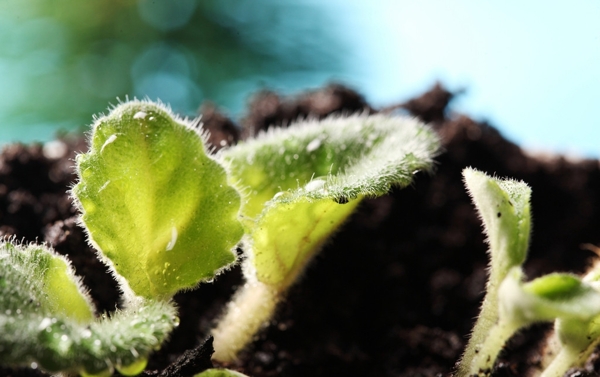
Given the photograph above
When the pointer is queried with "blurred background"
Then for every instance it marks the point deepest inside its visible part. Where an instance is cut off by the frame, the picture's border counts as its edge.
(529, 68)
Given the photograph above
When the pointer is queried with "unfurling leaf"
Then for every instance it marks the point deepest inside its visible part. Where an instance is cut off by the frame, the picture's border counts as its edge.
(302, 182)
(299, 185)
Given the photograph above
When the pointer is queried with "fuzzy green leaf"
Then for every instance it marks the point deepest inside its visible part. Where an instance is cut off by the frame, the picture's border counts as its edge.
(155, 203)
(557, 295)
(123, 341)
(503, 205)
(46, 318)
(301, 183)
(33, 279)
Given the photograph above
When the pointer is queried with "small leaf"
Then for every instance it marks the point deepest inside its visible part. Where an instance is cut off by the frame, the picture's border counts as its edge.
(301, 183)
(154, 203)
(556, 286)
(46, 318)
(553, 296)
(37, 280)
(505, 210)
(217, 372)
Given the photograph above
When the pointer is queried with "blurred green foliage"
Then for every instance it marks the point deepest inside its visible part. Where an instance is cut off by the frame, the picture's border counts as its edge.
(63, 60)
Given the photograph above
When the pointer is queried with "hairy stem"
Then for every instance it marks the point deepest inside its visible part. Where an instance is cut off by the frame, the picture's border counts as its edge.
(486, 322)
(486, 353)
(250, 309)
(564, 360)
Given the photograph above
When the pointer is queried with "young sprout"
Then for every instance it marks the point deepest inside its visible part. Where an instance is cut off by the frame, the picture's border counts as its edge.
(574, 338)
(511, 304)
(161, 214)
(504, 208)
(300, 184)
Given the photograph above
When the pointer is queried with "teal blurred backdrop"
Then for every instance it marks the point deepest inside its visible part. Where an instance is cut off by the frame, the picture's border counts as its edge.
(63, 61)
(530, 68)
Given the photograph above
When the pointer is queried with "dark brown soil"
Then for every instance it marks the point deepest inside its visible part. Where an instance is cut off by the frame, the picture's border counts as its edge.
(396, 291)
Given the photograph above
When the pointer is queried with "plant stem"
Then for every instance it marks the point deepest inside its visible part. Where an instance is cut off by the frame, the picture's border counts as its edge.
(494, 343)
(250, 309)
(565, 359)
(486, 322)
(485, 354)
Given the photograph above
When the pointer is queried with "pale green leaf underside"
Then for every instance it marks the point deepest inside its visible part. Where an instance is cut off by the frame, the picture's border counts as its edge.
(297, 180)
(505, 210)
(288, 234)
(155, 204)
(45, 318)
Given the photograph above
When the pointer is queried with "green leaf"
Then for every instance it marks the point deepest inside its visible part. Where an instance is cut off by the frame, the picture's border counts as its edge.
(288, 234)
(302, 182)
(503, 205)
(556, 287)
(33, 279)
(124, 341)
(46, 318)
(154, 202)
(553, 296)
(339, 158)
(217, 372)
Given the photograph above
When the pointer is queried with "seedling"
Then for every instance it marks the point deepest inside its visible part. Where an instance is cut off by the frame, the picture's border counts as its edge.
(510, 304)
(164, 214)
(160, 213)
(575, 338)
(299, 186)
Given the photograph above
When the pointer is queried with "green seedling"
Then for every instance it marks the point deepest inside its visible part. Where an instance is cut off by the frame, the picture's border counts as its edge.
(511, 304)
(504, 208)
(160, 213)
(568, 300)
(165, 214)
(574, 338)
(300, 185)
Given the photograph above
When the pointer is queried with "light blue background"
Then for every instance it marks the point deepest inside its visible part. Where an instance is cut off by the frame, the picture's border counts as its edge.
(531, 68)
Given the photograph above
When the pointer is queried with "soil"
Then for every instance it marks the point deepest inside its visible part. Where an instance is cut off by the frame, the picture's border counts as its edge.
(393, 294)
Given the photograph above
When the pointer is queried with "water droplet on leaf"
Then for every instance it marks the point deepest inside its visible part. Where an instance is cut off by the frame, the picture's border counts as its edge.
(140, 115)
(315, 184)
(313, 145)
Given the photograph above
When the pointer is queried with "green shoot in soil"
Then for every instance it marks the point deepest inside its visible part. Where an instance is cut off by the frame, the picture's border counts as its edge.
(299, 185)
(511, 304)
